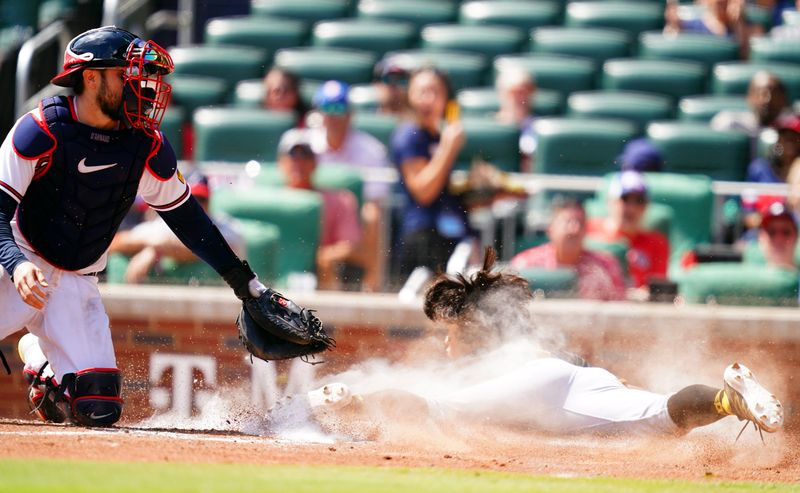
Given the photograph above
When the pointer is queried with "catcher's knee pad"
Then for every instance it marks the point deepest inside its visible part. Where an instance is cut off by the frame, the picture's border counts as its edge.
(95, 395)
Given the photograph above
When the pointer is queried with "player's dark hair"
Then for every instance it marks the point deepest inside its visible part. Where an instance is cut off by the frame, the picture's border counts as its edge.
(78, 87)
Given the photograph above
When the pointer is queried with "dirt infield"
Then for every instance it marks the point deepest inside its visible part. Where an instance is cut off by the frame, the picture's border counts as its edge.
(705, 454)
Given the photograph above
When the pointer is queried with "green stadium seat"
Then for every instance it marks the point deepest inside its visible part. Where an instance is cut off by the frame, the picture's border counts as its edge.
(633, 17)
(731, 283)
(483, 101)
(670, 78)
(305, 10)
(765, 49)
(703, 108)
(521, 14)
(734, 77)
(464, 69)
(559, 73)
(553, 283)
(580, 147)
(489, 41)
(327, 177)
(363, 97)
(238, 134)
(594, 43)
(249, 93)
(194, 91)
(351, 66)
(296, 213)
(690, 147)
(701, 48)
(379, 125)
(267, 33)
(229, 63)
(375, 36)
(791, 17)
(491, 141)
(415, 12)
(635, 107)
(18, 13)
(172, 127)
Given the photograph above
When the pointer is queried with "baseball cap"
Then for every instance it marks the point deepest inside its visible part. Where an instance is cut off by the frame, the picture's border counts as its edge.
(626, 183)
(293, 138)
(771, 207)
(641, 155)
(389, 71)
(331, 97)
(789, 123)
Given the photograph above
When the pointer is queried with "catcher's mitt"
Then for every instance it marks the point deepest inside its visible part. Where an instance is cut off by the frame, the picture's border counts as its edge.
(273, 327)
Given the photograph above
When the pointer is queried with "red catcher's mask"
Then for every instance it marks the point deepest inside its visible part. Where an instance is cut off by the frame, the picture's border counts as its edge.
(146, 95)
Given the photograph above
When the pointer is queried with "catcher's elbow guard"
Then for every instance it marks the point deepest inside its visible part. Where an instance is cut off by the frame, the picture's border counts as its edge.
(95, 395)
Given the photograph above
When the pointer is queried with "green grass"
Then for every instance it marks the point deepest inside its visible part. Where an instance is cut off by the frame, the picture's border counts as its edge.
(55, 476)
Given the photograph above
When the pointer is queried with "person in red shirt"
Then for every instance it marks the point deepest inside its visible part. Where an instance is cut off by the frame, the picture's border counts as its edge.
(599, 274)
(648, 251)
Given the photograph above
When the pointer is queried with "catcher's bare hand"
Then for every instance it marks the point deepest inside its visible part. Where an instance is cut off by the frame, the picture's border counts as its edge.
(31, 284)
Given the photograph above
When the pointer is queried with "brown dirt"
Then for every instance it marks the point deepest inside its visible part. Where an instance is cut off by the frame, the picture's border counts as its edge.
(704, 454)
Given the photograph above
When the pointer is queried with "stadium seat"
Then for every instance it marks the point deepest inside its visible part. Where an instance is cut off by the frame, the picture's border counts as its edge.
(375, 36)
(633, 17)
(521, 14)
(172, 127)
(238, 134)
(635, 107)
(296, 213)
(415, 12)
(734, 77)
(791, 17)
(483, 101)
(559, 73)
(230, 63)
(249, 93)
(193, 91)
(351, 66)
(378, 125)
(595, 43)
(731, 283)
(703, 108)
(490, 141)
(363, 97)
(267, 33)
(327, 177)
(697, 148)
(464, 69)
(306, 10)
(670, 78)
(552, 283)
(489, 41)
(766, 49)
(701, 48)
(580, 147)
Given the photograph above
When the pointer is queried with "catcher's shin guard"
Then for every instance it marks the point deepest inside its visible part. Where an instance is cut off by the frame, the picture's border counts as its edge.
(95, 396)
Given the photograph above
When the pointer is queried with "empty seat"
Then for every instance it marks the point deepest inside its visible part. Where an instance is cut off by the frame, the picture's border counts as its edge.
(351, 66)
(491, 141)
(702, 48)
(238, 134)
(634, 17)
(670, 78)
(375, 36)
(489, 41)
(765, 49)
(363, 97)
(728, 283)
(192, 91)
(597, 44)
(483, 100)
(267, 33)
(580, 147)
(559, 73)
(230, 63)
(703, 108)
(378, 125)
(464, 69)
(249, 93)
(690, 147)
(306, 10)
(517, 13)
(415, 12)
(635, 107)
(734, 77)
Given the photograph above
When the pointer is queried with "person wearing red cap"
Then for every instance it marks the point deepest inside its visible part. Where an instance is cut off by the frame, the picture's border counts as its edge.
(777, 235)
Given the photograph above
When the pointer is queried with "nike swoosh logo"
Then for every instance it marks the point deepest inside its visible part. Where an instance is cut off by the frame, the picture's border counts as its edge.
(94, 416)
(82, 168)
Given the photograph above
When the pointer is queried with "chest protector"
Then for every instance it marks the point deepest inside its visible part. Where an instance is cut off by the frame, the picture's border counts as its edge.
(70, 214)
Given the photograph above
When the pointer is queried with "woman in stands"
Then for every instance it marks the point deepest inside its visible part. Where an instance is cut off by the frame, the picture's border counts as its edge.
(282, 93)
(725, 18)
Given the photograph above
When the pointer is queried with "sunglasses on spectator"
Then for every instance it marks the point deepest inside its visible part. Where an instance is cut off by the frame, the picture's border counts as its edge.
(634, 198)
(301, 152)
(334, 108)
(785, 232)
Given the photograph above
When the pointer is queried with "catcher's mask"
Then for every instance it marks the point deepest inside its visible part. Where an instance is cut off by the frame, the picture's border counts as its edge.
(145, 95)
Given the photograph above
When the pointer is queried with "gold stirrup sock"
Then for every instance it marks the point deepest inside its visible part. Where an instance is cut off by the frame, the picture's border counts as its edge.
(722, 403)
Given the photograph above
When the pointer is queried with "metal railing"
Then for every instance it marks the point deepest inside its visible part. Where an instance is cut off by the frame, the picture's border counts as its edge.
(29, 59)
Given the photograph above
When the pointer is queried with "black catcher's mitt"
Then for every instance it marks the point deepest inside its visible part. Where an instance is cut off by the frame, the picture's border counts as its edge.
(273, 327)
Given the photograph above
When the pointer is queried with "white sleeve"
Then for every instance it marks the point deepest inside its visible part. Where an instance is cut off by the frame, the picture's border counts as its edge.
(16, 173)
(164, 195)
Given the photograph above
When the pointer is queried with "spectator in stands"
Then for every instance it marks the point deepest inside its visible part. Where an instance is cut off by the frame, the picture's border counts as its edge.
(778, 7)
(785, 32)
(391, 82)
(340, 229)
(282, 93)
(648, 251)
(335, 141)
(777, 236)
(599, 274)
(783, 154)
(721, 18)
(642, 156)
(433, 221)
(766, 97)
(149, 241)
(516, 90)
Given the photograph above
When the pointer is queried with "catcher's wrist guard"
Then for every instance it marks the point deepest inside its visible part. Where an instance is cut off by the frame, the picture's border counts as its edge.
(239, 279)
